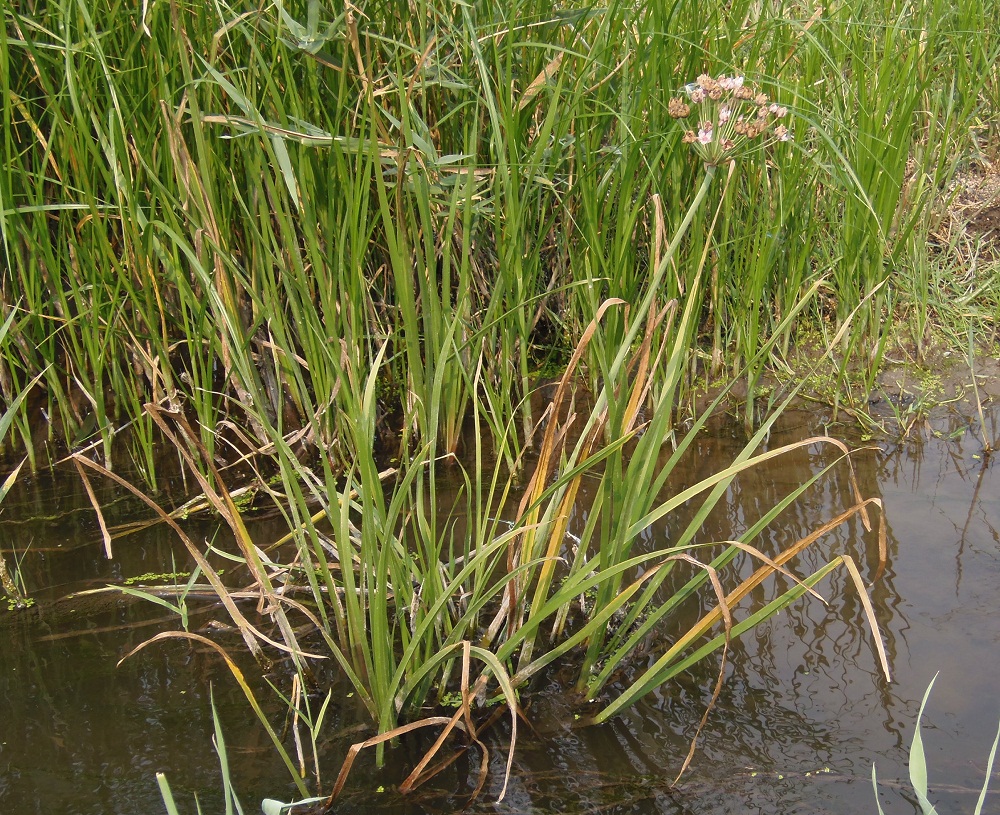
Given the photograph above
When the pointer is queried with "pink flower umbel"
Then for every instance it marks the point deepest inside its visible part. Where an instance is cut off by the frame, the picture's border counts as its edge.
(733, 118)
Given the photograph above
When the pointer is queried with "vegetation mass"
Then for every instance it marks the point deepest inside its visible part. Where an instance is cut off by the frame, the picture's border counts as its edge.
(304, 241)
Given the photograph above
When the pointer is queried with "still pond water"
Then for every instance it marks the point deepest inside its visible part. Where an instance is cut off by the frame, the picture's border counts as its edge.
(803, 715)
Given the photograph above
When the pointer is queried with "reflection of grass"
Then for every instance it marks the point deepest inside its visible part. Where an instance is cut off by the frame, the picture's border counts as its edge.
(918, 767)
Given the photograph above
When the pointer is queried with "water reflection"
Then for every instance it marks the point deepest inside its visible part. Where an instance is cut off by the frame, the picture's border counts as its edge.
(803, 715)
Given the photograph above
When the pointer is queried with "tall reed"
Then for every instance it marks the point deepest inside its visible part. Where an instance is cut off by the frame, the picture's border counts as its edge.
(198, 200)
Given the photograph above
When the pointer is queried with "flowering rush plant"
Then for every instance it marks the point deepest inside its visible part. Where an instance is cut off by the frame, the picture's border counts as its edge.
(729, 117)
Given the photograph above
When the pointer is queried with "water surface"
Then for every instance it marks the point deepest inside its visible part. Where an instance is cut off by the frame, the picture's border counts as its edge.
(803, 715)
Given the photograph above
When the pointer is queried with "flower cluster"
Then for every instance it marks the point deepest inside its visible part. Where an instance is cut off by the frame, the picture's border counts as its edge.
(731, 117)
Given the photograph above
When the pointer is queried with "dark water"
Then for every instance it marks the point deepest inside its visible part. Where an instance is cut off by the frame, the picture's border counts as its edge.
(801, 719)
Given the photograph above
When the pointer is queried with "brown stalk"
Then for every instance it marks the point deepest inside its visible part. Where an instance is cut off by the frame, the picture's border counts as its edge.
(250, 634)
(105, 535)
(724, 610)
(643, 383)
(223, 503)
(763, 572)
(539, 478)
(464, 711)
(462, 720)
(539, 82)
(640, 391)
(852, 570)
(727, 618)
(296, 737)
(357, 747)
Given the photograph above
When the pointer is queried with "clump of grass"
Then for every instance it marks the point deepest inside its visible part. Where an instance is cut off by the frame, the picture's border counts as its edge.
(415, 608)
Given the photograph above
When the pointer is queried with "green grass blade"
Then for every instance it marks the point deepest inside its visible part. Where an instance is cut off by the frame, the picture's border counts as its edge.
(918, 762)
